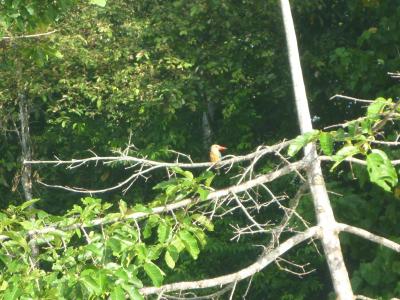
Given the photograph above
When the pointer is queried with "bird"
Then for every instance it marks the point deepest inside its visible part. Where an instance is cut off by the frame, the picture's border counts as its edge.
(215, 154)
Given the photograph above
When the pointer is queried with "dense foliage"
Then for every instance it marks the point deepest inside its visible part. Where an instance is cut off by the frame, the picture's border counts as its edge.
(153, 72)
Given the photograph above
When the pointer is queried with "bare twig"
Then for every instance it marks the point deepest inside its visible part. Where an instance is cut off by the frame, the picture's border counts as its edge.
(181, 204)
(261, 263)
(355, 160)
(350, 98)
(125, 158)
(369, 236)
(36, 35)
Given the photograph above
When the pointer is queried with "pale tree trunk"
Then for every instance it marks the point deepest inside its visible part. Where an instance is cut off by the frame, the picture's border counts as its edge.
(25, 140)
(206, 131)
(208, 117)
(323, 208)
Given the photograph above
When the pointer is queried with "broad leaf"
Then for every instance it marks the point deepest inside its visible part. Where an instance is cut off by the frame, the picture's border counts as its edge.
(100, 3)
(133, 292)
(28, 203)
(376, 107)
(155, 273)
(91, 284)
(171, 256)
(345, 152)
(381, 170)
(163, 232)
(326, 142)
(302, 140)
(190, 243)
(117, 293)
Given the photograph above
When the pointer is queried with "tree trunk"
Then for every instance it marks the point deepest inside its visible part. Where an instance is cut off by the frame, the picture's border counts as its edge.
(25, 139)
(207, 119)
(323, 208)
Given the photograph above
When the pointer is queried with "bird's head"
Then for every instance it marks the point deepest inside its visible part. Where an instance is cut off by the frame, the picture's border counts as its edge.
(217, 148)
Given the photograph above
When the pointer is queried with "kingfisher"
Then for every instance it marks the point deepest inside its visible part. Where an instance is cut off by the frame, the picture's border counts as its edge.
(215, 154)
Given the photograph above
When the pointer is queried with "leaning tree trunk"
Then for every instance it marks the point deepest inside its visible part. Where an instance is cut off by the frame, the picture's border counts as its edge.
(323, 208)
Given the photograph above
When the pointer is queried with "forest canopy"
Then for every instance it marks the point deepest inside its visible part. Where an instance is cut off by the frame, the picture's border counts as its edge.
(108, 110)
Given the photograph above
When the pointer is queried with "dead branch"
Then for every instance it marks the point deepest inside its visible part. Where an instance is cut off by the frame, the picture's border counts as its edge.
(350, 98)
(355, 160)
(369, 236)
(36, 35)
(173, 206)
(126, 158)
(204, 297)
(261, 263)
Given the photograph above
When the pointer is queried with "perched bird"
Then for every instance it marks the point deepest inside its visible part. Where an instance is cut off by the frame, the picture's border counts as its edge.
(215, 154)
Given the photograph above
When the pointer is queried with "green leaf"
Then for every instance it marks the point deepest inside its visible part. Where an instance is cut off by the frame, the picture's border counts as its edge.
(326, 142)
(133, 292)
(203, 220)
(342, 154)
(203, 193)
(376, 107)
(188, 174)
(154, 272)
(209, 180)
(165, 184)
(302, 140)
(14, 293)
(381, 170)
(123, 208)
(101, 278)
(91, 285)
(101, 3)
(19, 239)
(190, 243)
(141, 208)
(163, 232)
(117, 294)
(171, 256)
(26, 204)
(152, 222)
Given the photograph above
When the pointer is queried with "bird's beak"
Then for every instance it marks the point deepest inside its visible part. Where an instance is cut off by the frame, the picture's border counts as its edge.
(222, 148)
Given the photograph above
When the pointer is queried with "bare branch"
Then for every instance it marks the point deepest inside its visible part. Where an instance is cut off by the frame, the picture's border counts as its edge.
(393, 144)
(395, 75)
(355, 160)
(369, 236)
(361, 297)
(210, 296)
(350, 98)
(260, 264)
(125, 158)
(36, 35)
(183, 203)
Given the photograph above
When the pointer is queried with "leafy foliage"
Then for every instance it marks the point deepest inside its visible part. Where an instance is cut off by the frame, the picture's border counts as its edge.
(81, 257)
(151, 70)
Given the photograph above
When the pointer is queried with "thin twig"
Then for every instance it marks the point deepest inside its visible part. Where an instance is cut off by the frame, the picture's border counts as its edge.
(351, 98)
(36, 35)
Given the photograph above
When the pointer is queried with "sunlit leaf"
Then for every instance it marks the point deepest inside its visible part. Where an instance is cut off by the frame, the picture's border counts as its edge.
(381, 170)
(190, 243)
(163, 232)
(154, 272)
(171, 256)
(100, 3)
(326, 142)
(343, 153)
(300, 141)
(117, 293)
